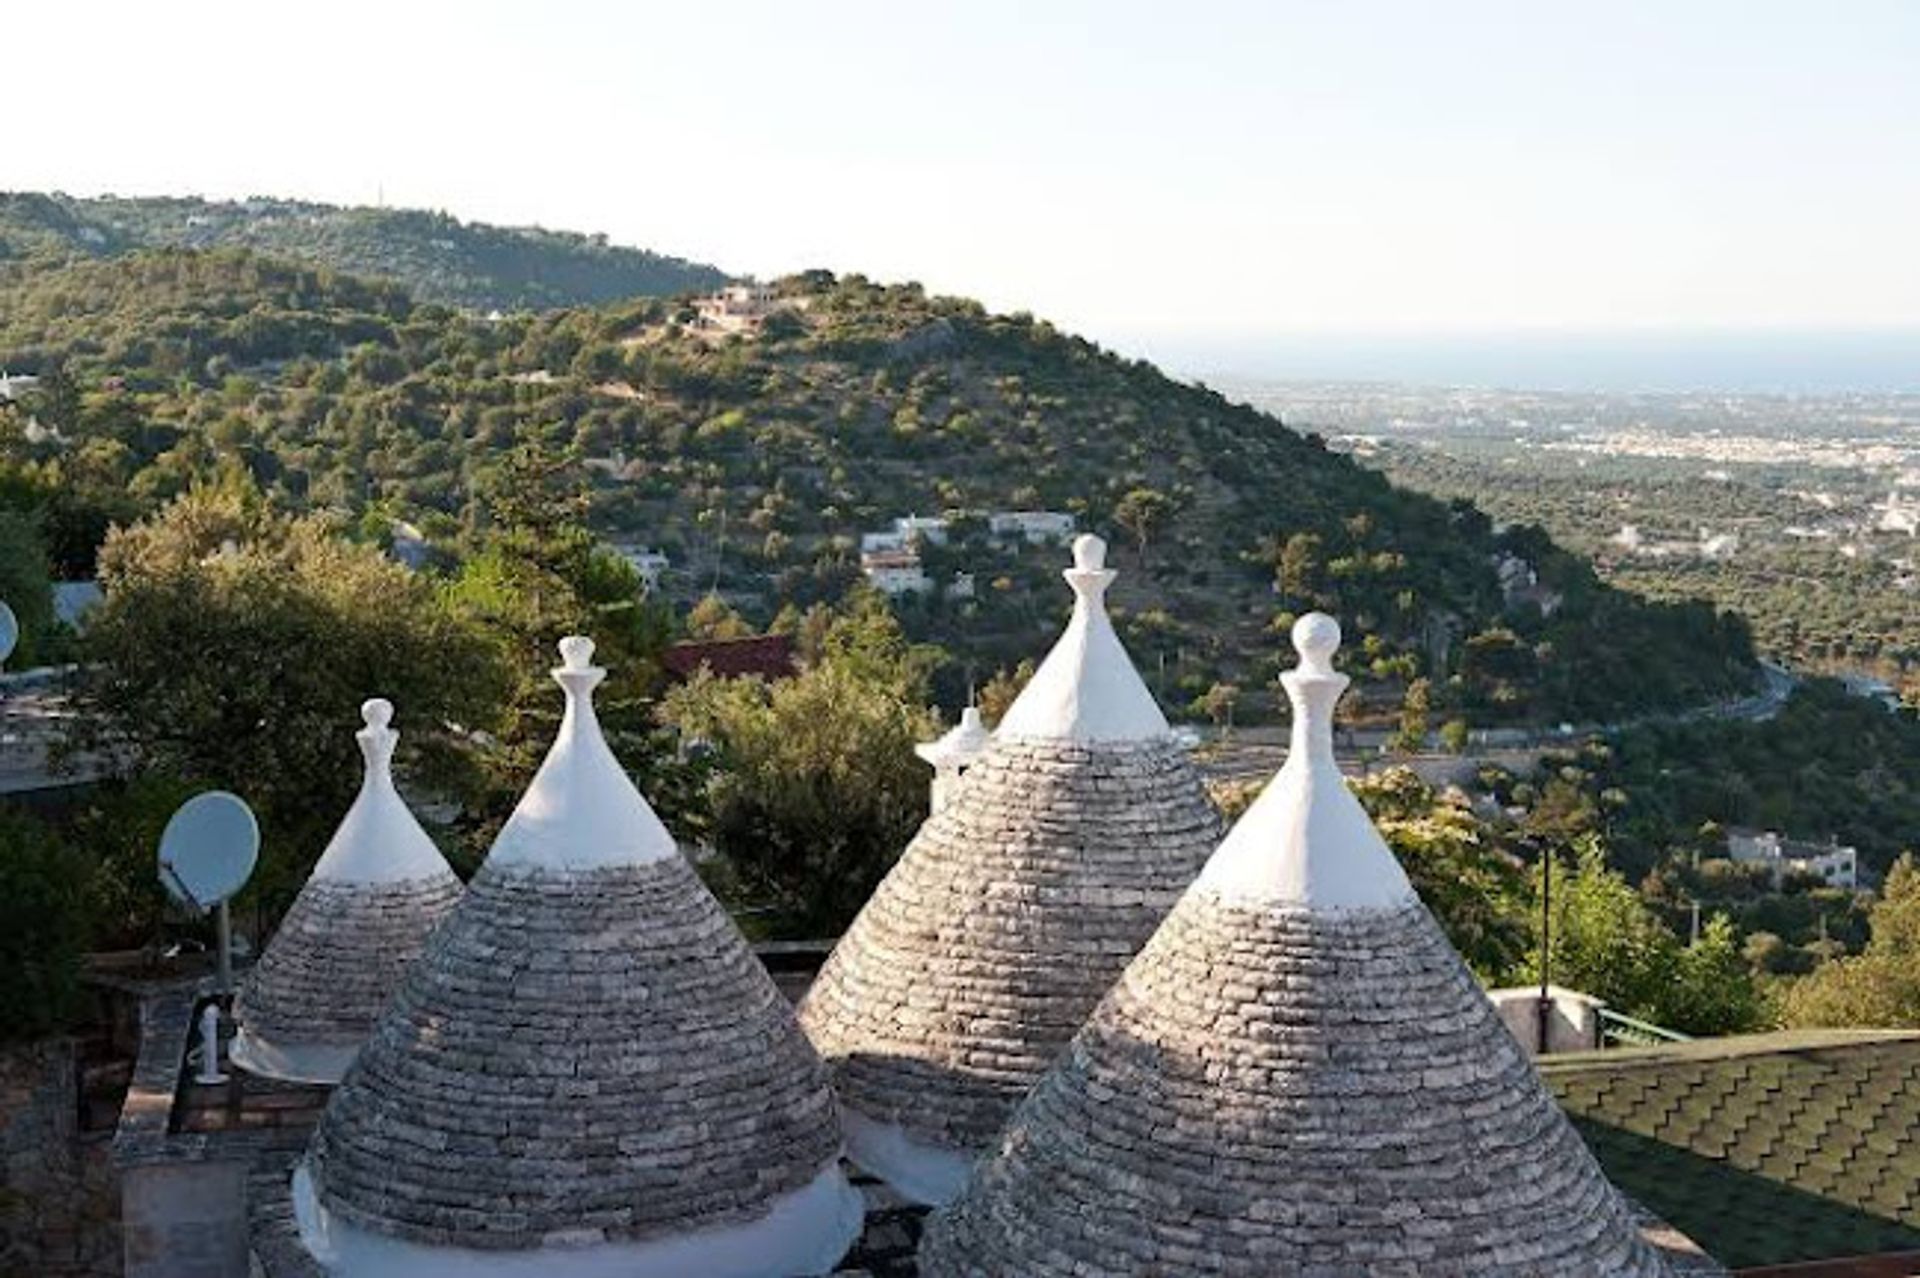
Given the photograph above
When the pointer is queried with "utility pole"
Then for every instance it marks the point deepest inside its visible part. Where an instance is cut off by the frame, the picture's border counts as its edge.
(1693, 933)
(1546, 947)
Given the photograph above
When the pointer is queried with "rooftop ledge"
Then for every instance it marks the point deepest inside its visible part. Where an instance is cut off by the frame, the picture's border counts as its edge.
(1720, 1049)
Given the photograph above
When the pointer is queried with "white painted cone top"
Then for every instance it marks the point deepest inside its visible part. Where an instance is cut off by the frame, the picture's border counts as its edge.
(378, 841)
(1087, 689)
(582, 811)
(1306, 841)
(960, 744)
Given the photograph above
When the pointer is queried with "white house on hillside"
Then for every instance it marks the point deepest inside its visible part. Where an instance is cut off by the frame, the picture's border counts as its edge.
(1835, 865)
(895, 572)
(1032, 526)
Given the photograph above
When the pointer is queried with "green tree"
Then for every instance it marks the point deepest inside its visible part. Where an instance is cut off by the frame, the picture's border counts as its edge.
(1712, 989)
(25, 585)
(1476, 889)
(1141, 512)
(1605, 941)
(1415, 713)
(998, 694)
(1217, 704)
(714, 618)
(42, 928)
(1297, 568)
(234, 647)
(816, 788)
(1608, 943)
(1880, 986)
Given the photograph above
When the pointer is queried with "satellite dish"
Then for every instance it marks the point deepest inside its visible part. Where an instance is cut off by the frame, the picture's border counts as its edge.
(9, 632)
(209, 849)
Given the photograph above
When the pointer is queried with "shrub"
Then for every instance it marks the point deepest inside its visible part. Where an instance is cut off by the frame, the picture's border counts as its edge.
(42, 928)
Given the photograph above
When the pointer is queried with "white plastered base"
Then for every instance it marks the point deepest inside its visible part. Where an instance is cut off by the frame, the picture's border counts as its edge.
(293, 1062)
(805, 1232)
(916, 1169)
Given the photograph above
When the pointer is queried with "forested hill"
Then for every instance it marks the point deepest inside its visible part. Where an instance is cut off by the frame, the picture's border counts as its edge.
(438, 258)
(756, 461)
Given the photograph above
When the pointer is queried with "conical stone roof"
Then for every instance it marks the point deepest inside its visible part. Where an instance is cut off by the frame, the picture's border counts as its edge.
(1015, 907)
(586, 1073)
(1297, 1076)
(377, 891)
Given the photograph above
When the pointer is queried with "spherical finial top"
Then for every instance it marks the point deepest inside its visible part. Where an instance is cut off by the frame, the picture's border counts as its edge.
(376, 713)
(576, 652)
(1316, 637)
(1089, 553)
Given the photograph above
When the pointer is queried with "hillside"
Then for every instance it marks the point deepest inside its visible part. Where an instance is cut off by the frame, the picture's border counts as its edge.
(756, 462)
(436, 257)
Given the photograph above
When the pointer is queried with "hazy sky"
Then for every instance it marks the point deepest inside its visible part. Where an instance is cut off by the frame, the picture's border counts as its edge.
(1160, 174)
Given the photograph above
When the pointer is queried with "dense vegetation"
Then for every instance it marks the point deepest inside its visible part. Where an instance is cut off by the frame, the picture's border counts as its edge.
(436, 257)
(1606, 938)
(757, 461)
(1656, 802)
(1832, 601)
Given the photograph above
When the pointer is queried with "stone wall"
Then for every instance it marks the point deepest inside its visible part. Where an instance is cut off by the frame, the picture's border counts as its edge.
(57, 1193)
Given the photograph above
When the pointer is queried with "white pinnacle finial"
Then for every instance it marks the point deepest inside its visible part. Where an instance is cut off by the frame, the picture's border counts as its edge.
(1087, 688)
(377, 740)
(1314, 688)
(1306, 841)
(582, 810)
(576, 652)
(1316, 637)
(577, 675)
(378, 841)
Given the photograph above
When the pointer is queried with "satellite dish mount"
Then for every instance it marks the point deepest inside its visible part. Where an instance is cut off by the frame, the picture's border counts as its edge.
(207, 854)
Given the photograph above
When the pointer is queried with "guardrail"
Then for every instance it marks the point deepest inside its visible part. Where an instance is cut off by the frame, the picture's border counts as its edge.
(1617, 1030)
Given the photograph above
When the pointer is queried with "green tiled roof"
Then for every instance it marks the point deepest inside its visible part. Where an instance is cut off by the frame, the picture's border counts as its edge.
(1765, 1149)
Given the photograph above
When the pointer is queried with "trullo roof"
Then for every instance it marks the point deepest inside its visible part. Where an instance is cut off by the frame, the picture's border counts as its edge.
(378, 889)
(1012, 911)
(586, 1073)
(959, 745)
(1296, 1076)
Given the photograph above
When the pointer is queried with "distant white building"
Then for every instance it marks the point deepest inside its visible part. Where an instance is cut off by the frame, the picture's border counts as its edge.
(14, 385)
(1520, 584)
(650, 564)
(1718, 545)
(737, 308)
(1032, 526)
(906, 530)
(896, 572)
(1899, 516)
(925, 527)
(1833, 864)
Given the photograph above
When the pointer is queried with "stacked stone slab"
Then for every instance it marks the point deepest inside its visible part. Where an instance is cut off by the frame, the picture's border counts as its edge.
(378, 890)
(586, 1073)
(1046, 867)
(1297, 1076)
